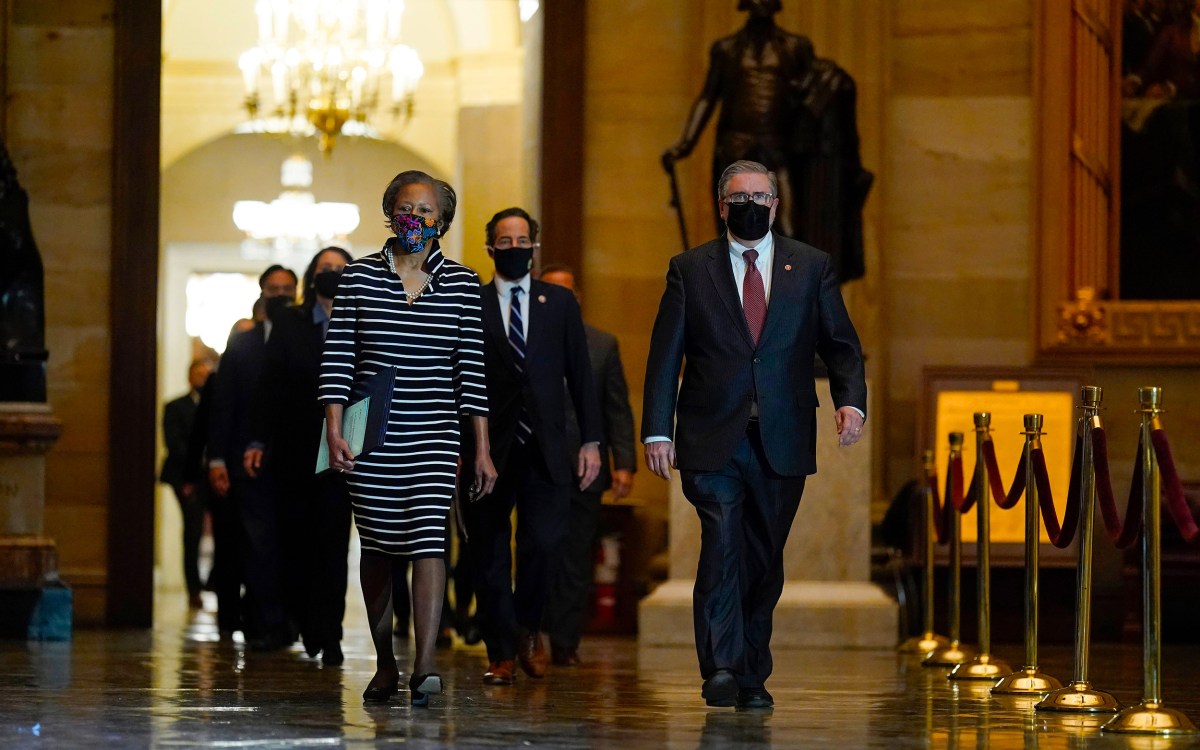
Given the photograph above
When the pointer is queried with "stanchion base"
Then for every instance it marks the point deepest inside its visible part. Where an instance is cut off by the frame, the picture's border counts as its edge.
(1079, 697)
(951, 656)
(923, 644)
(982, 667)
(1150, 718)
(1026, 681)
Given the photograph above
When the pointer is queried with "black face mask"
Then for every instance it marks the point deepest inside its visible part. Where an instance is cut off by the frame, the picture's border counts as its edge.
(326, 283)
(513, 263)
(275, 304)
(749, 221)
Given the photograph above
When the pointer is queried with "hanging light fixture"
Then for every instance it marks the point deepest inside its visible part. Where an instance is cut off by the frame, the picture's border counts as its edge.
(295, 221)
(328, 66)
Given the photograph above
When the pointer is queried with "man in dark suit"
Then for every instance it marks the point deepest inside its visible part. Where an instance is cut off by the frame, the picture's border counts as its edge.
(568, 603)
(178, 417)
(253, 498)
(749, 311)
(286, 420)
(533, 340)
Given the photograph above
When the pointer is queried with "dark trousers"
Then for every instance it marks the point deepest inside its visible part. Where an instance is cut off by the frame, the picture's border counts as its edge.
(228, 571)
(542, 508)
(192, 509)
(324, 540)
(568, 602)
(258, 510)
(746, 511)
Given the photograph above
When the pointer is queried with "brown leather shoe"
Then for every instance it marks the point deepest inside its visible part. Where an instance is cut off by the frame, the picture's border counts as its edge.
(503, 672)
(531, 653)
(564, 657)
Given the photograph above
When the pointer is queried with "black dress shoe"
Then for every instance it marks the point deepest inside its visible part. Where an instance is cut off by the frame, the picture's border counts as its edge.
(754, 698)
(382, 693)
(332, 655)
(421, 686)
(312, 648)
(720, 689)
(471, 633)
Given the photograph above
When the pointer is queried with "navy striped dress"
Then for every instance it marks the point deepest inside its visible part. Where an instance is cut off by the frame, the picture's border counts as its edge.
(401, 491)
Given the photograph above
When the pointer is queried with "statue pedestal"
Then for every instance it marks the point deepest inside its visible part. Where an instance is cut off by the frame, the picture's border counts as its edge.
(29, 587)
(828, 600)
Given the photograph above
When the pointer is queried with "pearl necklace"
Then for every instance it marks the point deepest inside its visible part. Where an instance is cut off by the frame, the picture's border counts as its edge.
(409, 297)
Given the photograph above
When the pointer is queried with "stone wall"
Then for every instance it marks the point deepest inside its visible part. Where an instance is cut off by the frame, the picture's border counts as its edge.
(58, 123)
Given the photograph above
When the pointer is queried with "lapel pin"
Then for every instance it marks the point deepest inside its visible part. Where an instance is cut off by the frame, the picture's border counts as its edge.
(787, 267)
(542, 298)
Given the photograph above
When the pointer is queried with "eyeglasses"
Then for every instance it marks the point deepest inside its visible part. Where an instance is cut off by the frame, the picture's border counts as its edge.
(505, 243)
(740, 199)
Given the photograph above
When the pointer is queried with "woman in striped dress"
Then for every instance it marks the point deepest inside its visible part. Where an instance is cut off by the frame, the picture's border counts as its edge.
(410, 307)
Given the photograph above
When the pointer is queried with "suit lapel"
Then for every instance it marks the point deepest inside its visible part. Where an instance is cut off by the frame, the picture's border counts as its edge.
(721, 271)
(494, 323)
(784, 282)
(536, 311)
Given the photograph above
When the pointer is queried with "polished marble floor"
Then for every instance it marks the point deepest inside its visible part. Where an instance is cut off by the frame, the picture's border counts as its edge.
(178, 686)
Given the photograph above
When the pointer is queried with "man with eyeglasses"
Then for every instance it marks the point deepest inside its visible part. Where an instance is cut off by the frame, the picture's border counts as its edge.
(534, 340)
(749, 311)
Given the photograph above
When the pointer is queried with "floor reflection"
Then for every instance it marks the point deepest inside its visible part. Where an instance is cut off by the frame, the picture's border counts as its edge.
(181, 685)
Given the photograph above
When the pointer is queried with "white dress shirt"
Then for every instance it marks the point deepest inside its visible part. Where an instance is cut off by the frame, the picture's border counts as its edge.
(504, 293)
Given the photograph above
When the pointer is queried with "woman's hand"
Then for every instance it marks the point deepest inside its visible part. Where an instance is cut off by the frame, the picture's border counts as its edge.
(341, 458)
(485, 476)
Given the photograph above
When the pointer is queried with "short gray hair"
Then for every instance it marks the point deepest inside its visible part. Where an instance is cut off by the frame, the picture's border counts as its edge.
(745, 166)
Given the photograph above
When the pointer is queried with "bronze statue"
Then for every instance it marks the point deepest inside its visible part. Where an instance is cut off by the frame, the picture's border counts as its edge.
(786, 108)
(22, 305)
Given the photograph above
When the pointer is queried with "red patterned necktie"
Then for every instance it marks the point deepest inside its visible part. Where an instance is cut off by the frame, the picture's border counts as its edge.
(754, 296)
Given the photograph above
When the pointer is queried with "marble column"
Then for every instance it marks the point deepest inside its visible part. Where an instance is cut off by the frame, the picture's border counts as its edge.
(828, 600)
(27, 558)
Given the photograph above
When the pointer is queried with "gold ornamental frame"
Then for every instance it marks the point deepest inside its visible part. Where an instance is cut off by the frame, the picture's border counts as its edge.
(1079, 316)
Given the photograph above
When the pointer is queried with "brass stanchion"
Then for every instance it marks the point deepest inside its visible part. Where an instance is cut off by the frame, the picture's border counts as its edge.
(1151, 716)
(984, 666)
(1029, 680)
(928, 641)
(953, 653)
(1080, 696)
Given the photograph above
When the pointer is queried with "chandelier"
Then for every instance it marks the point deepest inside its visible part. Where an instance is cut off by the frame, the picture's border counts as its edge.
(328, 66)
(295, 221)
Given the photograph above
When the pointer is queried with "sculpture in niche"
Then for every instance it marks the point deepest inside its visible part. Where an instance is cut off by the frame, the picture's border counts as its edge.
(22, 300)
(783, 106)
(1160, 150)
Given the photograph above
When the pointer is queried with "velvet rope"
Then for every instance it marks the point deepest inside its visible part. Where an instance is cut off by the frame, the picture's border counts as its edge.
(1172, 488)
(963, 501)
(1060, 535)
(1004, 500)
(1122, 533)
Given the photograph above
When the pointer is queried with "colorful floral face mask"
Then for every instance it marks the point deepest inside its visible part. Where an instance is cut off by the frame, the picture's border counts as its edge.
(414, 232)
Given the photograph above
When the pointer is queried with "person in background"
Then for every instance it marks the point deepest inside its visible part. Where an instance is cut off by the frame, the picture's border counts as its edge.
(534, 342)
(618, 462)
(252, 498)
(178, 417)
(286, 432)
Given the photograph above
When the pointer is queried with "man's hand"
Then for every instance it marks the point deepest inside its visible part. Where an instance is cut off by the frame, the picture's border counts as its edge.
(485, 476)
(622, 483)
(660, 458)
(589, 465)
(849, 425)
(252, 461)
(218, 477)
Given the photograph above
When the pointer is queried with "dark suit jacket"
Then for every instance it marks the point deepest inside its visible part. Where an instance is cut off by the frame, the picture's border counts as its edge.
(556, 348)
(700, 318)
(608, 376)
(237, 386)
(286, 415)
(178, 416)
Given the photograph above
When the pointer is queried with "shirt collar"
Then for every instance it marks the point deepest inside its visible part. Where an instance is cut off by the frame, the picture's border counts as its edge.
(319, 316)
(764, 246)
(504, 286)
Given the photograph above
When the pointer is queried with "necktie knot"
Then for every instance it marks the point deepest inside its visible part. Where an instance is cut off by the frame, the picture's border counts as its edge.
(516, 291)
(751, 256)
